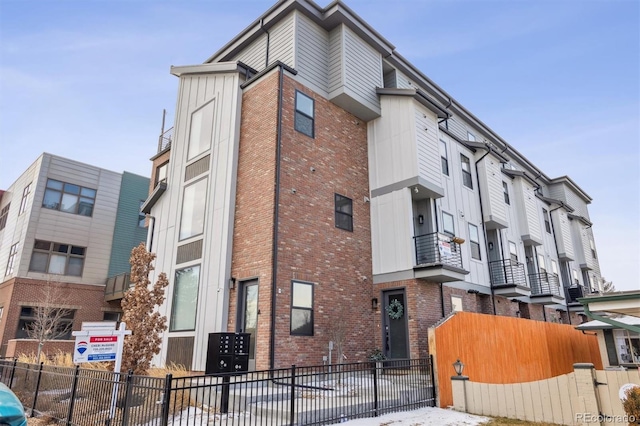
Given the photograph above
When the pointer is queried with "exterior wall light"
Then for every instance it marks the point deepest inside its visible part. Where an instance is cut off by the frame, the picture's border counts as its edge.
(232, 283)
(459, 367)
(374, 304)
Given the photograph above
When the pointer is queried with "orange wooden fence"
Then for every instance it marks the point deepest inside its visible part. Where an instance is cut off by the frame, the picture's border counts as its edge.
(498, 349)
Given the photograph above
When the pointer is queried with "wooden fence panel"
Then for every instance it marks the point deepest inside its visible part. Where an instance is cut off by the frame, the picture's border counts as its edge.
(501, 350)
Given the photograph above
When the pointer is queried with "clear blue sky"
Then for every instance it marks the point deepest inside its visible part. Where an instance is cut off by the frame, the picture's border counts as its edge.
(559, 80)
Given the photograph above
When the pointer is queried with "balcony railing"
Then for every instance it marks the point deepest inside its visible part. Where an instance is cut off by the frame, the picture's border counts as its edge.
(544, 283)
(507, 272)
(164, 141)
(574, 293)
(116, 287)
(437, 249)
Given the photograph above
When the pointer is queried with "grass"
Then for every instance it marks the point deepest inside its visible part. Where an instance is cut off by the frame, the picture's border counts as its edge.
(509, 422)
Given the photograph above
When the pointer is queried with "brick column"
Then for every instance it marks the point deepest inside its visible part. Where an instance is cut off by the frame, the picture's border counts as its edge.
(459, 391)
(585, 407)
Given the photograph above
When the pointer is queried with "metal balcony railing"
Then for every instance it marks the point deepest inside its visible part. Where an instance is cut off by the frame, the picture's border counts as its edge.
(436, 248)
(544, 283)
(117, 286)
(574, 293)
(507, 272)
(164, 141)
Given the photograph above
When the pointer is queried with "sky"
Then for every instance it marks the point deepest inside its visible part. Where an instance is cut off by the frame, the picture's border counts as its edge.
(558, 79)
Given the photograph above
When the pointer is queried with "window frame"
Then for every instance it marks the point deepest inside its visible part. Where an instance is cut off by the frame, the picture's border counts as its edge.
(186, 236)
(164, 166)
(466, 174)
(505, 191)
(4, 216)
(471, 137)
(475, 244)
(592, 244)
(142, 217)
(13, 252)
(25, 198)
(547, 220)
(542, 264)
(25, 320)
(302, 308)
(175, 294)
(52, 252)
(444, 224)
(342, 214)
(554, 267)
(574, 275)
(304, 114)
(61, 194)
(513, 251)
(444, 158)
(455, 302)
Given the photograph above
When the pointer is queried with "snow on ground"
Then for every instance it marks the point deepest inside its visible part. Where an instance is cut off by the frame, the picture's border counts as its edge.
(421, 417)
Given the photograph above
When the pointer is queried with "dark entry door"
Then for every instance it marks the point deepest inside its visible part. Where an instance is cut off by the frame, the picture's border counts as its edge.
(248, 318)
(394, 320)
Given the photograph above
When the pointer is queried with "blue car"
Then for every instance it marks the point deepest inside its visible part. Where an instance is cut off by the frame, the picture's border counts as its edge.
(11, 409)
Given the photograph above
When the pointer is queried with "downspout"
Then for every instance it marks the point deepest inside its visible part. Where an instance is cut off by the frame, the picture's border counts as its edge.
(276, 202)
(555, 243)
(484, 227)
(266, 61)
(152, 219)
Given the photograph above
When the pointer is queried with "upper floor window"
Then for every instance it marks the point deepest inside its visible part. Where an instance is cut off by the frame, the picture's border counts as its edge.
(471, 137)
(505, 190)
(201, 131)
(456, 304)
(444, 159)
(513, 251)
(593, 247)
(554, 267)
(301, 309)
(344, 212)
(161, 173)
(56, 258)
(541, 264)
(576, 281)
(25, 198)
(304, 121)
(185, 299)
(12, 259)
(466, 171)
(4, 214)
(142, 218)
(194, 202)
(447, 224)
(69, 198)
(474, 240)
(547, 223)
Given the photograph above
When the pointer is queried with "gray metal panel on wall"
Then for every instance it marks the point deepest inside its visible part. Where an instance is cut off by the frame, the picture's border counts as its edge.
(362, 68)
(491, 186)
(255, 55)
(281, 42)
(312, 54)
(336, 58)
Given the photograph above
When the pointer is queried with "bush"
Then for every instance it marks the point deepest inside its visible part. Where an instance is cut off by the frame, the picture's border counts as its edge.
(632, 404)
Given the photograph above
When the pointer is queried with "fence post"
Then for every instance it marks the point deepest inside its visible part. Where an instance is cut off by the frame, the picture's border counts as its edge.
(459, 391)
(375, 387)
(35, 394)
(13, 372)
(166, 399)
(586, 407)
(72, 398)
(127, 398)
(433, 380)
(292, 398)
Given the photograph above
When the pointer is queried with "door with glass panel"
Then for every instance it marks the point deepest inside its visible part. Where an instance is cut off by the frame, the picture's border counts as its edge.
(248, 316)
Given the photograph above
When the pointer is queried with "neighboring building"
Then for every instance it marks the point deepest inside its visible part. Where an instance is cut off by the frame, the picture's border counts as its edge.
(315, 183)
(70, 226)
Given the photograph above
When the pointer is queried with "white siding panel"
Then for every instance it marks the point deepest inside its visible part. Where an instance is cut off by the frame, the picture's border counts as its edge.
(255, 55)
(562, 231)
(363, 68)
(526, 206)
(456, 127)
(281, 42)
(403, 81)
(312, 53)
(428, 145)
(391, 232)
(491, 178)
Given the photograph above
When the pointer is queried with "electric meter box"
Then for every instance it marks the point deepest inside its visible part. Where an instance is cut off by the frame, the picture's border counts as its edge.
(228, 353)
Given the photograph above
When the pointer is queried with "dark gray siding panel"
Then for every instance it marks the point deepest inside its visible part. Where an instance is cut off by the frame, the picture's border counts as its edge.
(312, 53)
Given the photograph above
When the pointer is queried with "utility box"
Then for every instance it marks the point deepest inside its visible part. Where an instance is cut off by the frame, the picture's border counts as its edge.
(228, 353)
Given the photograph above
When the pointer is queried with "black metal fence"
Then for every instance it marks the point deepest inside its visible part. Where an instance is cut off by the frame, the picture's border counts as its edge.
(434, 249)
(507, 271)
(316, 395)
(544, 283)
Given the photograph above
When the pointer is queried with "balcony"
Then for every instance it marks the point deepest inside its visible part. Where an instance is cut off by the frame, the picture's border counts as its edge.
(116, 287)
(545, 289)
(164, 141)
(508, 278)
(438, 258)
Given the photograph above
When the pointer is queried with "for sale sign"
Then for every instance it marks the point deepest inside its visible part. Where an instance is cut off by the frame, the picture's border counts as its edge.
(95, 348)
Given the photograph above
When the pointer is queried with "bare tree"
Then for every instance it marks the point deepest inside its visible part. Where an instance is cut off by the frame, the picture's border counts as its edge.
(338, 330)
(140, 313)
(607, 286)
(51, 320)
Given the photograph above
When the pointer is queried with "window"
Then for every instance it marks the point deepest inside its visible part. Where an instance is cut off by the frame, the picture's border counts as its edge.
(474, 239)
(547, 224)
(466, 171)
(444, 159)
(344, 212)
(161, 173)
(304, 114)
(1, 312)
(447, 224)
(201, 130)
(513, 251)
(505, 190)
(456, 304)
(593, 247)
(554, 267)
(471, 137)
(12, 258)
(301, 309)
(541, 264)
(4, 214)
(185, 299)
(25, 198)
(69, 198)
(193, 209)
(142, 218)
(576, 281)
(35, 317)
(111, 316)
(55, 258)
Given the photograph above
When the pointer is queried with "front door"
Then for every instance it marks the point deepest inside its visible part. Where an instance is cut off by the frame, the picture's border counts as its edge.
(248, 316)
(394, 320)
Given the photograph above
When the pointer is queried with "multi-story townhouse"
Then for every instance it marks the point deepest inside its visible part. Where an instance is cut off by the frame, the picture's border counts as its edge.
(317, 185)
(69, 226)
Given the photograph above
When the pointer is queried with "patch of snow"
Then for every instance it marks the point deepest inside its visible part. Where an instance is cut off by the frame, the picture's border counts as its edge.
(421, 417)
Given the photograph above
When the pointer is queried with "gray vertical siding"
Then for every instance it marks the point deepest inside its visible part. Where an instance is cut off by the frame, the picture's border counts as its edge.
(312, 53)
(562, 229)
(362, 68)
(281, 43)
(491, 178)
(255, 55)
(428, 147)
(336, 67)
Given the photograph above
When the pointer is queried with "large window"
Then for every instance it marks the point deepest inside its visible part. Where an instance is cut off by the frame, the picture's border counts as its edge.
(57, 324)
(505, 190)
(4, 214)
(344, 212)
(161, 173)
(12, 259)
(593, 247)
(547, 224)
(466, 171)
(142, 218)
(193, 209)
(513, 251)
(541, 264)
(25, 197)
(185, 299)
(574, 275)
(554, 267)
(56, 258)
(301, 309)
(444, 158)
(305, 114)
(447, 224)
(69, 198)
(474, 240)
(201, 131)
